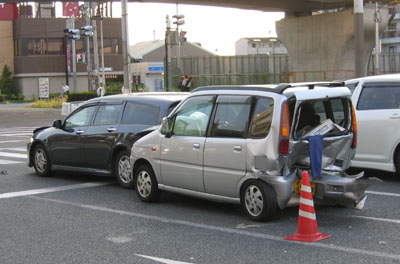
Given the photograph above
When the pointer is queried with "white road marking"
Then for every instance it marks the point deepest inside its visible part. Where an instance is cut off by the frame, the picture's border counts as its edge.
(384, 193)
(239, 232)
(16, 135)
(13, 155)
(120, 239)
(166, 261)
(54, 189)
(393, 221)
(5, 162)
(12, 141)
(15, 149)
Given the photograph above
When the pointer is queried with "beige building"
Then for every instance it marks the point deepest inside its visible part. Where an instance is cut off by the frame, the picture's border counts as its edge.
(7, 45)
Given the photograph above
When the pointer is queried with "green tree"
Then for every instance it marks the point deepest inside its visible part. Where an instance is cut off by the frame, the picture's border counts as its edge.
(7, 85)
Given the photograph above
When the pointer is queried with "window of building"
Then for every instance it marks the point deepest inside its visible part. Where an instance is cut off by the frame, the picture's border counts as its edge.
(35, 47)
(55, 46)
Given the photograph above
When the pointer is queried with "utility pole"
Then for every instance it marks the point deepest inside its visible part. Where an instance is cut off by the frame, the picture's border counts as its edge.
(125, 46)
(95, 46)
(87, 43)
(377, 19)
(359, 38)
(168, 54)
(75, 88)
(179, 22)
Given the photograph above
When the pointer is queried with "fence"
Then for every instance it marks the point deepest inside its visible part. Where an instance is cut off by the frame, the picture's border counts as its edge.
(218, 70)
(263, 69)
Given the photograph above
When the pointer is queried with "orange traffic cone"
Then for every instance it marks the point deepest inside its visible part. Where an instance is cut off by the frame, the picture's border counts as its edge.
(307, 228)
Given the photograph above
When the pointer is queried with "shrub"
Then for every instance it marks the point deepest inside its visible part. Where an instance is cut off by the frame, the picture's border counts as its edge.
(81, 96)
(7, 85)
(55, 102)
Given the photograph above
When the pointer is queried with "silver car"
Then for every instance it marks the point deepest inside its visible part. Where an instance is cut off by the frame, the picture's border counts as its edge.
(250, 144)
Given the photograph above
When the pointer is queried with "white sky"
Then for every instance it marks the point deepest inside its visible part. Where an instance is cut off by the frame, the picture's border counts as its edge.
(216, 28)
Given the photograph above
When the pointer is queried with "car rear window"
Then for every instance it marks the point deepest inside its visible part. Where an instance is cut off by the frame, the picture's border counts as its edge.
(379, 97)
(313, 113)
(143, 114)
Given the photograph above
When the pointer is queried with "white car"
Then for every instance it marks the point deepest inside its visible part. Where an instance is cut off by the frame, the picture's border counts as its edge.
(377, 103)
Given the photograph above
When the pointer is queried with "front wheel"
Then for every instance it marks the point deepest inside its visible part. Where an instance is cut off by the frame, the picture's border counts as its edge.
(258, 200)
(146, 184)
(123, 171)
(41, 162)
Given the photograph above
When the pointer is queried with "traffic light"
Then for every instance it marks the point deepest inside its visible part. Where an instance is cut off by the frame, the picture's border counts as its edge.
(73, 33)
(179, 20)
(183, 36)
(87, 31)
(81, 58)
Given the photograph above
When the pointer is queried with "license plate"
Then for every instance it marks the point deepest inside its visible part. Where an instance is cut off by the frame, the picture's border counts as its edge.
(297, 186)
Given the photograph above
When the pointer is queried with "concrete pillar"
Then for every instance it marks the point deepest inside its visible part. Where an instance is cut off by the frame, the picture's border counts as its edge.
(323, 45)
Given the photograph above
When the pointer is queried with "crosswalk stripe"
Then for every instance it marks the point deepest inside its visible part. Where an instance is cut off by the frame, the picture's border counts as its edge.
(16, 135)
(12, 141)
(5, 162)
(14, 149)
(13, 155)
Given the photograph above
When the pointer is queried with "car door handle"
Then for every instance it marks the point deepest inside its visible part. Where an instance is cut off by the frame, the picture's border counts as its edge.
(196, 145)
(111, 129)
(237, 148)
(80, 132)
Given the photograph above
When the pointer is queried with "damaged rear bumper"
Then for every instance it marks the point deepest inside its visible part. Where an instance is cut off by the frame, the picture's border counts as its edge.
(347, 190)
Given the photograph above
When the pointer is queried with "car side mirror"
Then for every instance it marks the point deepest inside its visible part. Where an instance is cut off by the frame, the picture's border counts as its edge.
(57, 123)
(166, 127)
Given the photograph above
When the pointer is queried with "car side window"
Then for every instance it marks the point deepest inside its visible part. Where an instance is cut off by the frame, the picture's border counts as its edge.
(375, 98)
(138, 113)
(192, 117)
(80, 118)
(107, 114)
(231, 120)
(262, 118)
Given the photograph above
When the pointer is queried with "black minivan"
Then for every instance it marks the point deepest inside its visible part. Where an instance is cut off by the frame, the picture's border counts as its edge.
(97, 137)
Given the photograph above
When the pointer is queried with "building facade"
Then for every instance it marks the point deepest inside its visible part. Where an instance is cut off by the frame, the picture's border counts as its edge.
(150, 56)
(42, 52)
(253, 46)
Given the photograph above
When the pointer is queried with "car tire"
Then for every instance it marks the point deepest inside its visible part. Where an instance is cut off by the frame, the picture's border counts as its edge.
(397, 162)
(122, 170)
(41, 162)
(258, 200)
(146, 184)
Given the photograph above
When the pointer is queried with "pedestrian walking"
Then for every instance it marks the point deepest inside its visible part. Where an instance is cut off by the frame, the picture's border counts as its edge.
(65, 90)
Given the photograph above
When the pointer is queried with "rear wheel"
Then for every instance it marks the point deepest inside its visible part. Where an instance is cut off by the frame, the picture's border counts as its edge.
(123, 171)
(41, 162)
(258, 200)
(146, 184)
(397, 162)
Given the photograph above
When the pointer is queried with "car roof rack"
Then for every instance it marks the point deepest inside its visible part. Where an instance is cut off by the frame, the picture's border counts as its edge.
(278, 89)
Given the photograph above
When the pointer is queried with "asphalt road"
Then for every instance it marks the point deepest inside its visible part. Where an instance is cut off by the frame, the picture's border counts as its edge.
(73, 218)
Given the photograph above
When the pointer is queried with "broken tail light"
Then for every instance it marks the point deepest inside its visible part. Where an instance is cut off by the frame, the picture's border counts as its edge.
(285, 130)
(354, 120)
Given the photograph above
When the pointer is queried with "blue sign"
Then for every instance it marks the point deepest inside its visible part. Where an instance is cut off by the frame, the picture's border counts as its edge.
(155, 68)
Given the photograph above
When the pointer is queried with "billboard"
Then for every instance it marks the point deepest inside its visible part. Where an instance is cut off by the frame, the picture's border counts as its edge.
(71, 9)
(8, 11)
